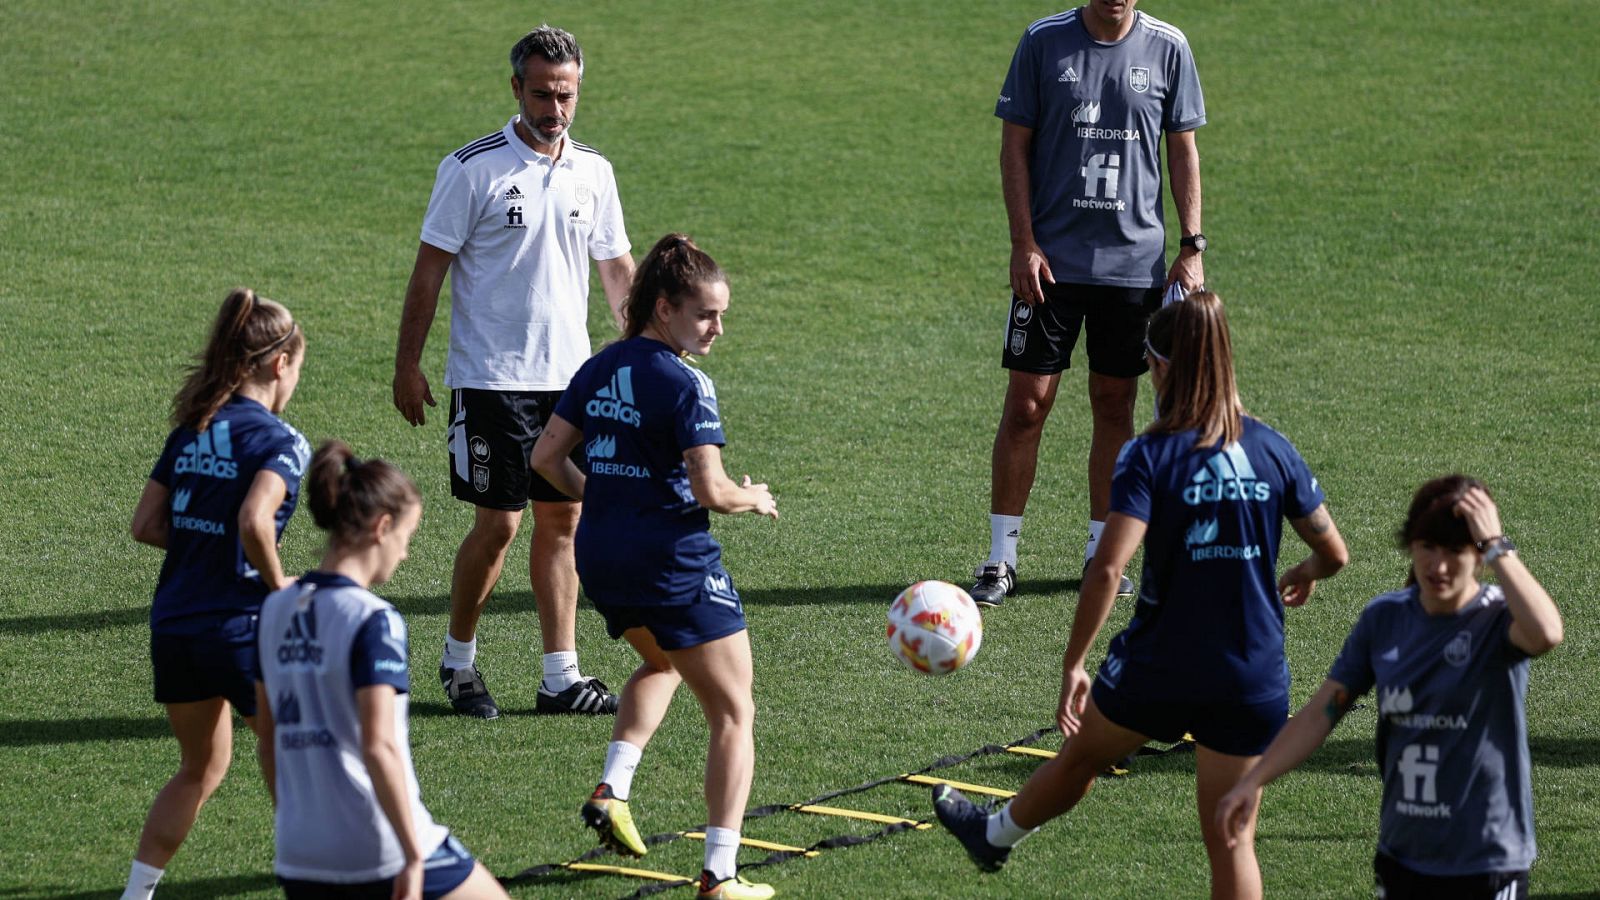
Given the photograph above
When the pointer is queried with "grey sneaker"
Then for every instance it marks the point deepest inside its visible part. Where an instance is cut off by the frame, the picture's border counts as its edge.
(467, 692)
(1125, 588)
(996, 582)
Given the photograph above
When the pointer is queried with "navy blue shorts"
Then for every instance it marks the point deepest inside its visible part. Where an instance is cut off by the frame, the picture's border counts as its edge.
(716, 613)
(218, 663)
(444, 871)
(1237, 729)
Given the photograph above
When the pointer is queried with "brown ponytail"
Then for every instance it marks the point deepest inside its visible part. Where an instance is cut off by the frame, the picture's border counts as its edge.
(347, 495)
(673, 268)
(1199, 391)
(247, 332)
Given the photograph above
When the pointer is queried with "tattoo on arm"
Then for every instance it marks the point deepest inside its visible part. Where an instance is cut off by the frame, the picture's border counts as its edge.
(1338, 705)
(1320, 522)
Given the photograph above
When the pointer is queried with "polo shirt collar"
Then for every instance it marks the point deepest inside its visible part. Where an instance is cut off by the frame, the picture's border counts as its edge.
(531, 155)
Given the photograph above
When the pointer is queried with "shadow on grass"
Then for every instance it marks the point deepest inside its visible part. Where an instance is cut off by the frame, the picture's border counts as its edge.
(229, 886)
(30, 732)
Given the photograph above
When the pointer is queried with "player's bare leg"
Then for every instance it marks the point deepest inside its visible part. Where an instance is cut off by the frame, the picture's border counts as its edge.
(1111, 402)
(649, 691)
(1058, 785)
(552, 570)
(477, 568)
(205, 749)
(1235, 873)
(1014, 462)
(553, 573)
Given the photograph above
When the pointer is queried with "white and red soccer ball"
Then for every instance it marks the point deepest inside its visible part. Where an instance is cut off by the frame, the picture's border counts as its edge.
(934, 627)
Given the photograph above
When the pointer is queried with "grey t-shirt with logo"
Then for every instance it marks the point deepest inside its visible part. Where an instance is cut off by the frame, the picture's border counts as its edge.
(1097, 112)
(1452, 732)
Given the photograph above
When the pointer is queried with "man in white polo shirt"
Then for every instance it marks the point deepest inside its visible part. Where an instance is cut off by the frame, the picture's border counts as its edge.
(514, 219)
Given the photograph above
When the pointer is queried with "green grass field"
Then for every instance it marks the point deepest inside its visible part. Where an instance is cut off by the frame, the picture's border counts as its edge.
(1402, 210)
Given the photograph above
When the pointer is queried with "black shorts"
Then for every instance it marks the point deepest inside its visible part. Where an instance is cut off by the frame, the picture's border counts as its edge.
(1039, 339)
(446, 869)
(218, 663)
(491, 435)
(1396, 882)
(1237, 729)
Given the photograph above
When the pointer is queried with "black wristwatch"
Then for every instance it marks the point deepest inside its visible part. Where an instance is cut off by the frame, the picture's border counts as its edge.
(1197, 241)
(1496, 547)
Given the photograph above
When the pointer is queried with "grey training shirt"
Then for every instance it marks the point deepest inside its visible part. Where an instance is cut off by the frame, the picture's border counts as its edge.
(1452, 732)
(1097, 112)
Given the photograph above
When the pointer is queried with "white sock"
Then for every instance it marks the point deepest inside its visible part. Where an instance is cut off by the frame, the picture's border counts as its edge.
(142, 880)
(621, 759)
(1003, 832)
(561, 670)
(1095, 528)
(1003, 534)
(459, 654)
(722, 852)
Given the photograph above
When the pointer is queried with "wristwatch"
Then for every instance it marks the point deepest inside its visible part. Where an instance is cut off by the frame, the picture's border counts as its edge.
(1496, 547)
(1197, 241)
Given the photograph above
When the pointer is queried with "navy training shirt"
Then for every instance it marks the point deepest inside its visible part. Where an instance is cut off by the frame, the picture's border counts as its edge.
(1452, 731)
(643, 539)
(207, 474)
(1208, 624)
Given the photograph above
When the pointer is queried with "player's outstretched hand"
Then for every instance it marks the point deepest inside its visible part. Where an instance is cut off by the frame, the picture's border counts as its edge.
(766, 504)
(410, 393)
(1074, 700)
(1028, 269)
(1295, 587)
(1483, 517)
(1234, 811)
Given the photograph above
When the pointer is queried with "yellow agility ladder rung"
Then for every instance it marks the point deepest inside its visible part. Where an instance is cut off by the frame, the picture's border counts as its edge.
(858, 814)
(959, 785)
(624, 870)
(1032, 751)
(759, 845)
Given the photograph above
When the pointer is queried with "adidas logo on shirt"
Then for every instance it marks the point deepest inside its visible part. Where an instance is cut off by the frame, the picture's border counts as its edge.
(1226, 476)
(1070, 76)
(514, 193)
(209, 454)
(615, 400)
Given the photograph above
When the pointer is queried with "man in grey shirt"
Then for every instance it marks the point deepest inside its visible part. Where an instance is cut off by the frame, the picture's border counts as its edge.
(1090, 93)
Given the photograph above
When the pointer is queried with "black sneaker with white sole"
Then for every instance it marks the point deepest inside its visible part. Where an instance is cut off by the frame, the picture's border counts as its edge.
(970, 824)
(996, 582)
(589, 696)
(468, 695)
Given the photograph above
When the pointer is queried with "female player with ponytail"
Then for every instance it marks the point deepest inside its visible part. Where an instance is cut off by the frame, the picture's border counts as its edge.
(653, 436)
(216, 502)
(332, 688)
(1206, 489)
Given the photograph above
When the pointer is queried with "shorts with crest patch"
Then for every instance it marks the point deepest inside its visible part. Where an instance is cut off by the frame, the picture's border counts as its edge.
(1040, 339)
(491, 435)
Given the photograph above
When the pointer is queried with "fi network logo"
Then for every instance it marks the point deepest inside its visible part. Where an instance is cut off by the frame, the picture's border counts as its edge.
(615, 400)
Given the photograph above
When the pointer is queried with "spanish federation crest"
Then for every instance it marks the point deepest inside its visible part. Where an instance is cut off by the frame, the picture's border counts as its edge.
(1459, 650)
(480, 478)
(1019, 340)
(1139, 79)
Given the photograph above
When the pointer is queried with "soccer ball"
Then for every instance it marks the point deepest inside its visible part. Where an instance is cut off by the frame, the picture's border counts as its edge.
(934, 627)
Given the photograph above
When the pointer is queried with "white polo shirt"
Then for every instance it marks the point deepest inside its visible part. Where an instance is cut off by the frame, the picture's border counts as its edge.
(523, 228)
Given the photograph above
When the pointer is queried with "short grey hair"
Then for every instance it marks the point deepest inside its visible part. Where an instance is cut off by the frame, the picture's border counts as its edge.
(552, 44)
